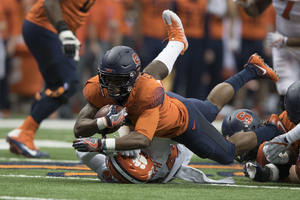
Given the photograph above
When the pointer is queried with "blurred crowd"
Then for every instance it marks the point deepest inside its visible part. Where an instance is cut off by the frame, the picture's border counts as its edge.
(221, 39)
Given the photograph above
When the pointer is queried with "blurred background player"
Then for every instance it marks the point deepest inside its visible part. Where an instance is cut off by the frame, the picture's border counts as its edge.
(284, 41)
(49, 34)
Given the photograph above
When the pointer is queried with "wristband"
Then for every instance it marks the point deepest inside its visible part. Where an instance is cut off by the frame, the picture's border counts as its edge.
(61, 26)
(101, 123)
(109, 144)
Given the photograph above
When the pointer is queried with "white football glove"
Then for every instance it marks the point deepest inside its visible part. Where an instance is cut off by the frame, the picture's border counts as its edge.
(70, 44)
(274, 149)
(276, 40)
(134, 153)
(243, 3)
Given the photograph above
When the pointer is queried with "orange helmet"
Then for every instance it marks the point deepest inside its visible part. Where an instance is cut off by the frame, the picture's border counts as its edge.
(130, 169)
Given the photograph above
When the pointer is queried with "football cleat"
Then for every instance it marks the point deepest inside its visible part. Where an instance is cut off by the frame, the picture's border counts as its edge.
(175, 29)
(21, 142)
(257, 172)
(261, 68)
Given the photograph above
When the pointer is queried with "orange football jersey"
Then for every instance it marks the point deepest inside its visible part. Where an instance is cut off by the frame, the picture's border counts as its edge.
(150, 111)
(289, 126)
(74, 13)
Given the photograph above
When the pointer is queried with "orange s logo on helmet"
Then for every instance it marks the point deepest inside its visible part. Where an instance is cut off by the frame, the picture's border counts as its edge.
(244, 117)
(136, 60)
(109, 70)
(131, 170)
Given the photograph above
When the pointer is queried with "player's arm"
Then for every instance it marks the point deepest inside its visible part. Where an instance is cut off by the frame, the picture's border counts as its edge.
(86, 125)
(53, 11)
(254, 8)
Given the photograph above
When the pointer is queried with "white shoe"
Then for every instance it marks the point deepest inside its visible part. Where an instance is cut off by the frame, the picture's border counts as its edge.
(174, 28)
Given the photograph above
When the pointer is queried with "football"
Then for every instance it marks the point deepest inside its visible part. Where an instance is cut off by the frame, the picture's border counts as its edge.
(103, 111)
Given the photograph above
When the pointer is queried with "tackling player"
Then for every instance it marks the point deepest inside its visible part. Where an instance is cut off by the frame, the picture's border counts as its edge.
(152, 112)
(48, 32)
(285, 41)
(262, 170)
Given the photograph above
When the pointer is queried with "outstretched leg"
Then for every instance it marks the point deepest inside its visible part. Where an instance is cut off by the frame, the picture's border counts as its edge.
(162, 65)
(255, 68)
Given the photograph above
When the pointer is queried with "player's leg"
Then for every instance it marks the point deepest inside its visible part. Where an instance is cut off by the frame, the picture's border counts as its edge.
(97, 163)
(287, 68)
(59, 73)
(162, 65)
(254, 68)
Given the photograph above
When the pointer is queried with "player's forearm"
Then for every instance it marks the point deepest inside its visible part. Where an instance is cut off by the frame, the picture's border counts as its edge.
(53, 11)
(293, 42)
(86, 128)
(132, 141)
(294, 134)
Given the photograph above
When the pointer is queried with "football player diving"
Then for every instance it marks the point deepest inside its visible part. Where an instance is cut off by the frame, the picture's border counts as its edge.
(151, 112)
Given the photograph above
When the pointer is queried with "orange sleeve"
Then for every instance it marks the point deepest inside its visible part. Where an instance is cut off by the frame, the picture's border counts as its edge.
(14, 24)
(93, 94)
(286, 122)
(147, 122)
(74, 13)
(261, 158)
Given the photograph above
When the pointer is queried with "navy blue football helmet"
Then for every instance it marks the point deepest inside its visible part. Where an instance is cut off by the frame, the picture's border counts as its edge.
(118, 71)
(292, 102)
(241, 120)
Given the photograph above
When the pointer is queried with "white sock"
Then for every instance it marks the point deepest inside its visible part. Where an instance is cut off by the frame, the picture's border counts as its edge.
(170, 53)
(294, 134)
(274, 172)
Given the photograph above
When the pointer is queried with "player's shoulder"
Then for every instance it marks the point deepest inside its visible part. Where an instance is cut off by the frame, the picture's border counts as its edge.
(148, 92)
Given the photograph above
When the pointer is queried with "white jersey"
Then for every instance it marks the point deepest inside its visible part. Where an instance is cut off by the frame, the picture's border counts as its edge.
(287, 17)
(286, 60)
(170, 161)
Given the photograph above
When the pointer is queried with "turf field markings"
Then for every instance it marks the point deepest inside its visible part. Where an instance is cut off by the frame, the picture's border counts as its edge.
(37, 160)
(28, 198)
(218, 185)
(41, 143)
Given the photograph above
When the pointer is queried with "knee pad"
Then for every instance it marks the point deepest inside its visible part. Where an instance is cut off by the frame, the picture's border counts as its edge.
(61, 94)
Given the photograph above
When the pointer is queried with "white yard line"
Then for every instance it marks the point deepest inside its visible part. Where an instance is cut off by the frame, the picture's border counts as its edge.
(28, 198)
(219, 185)
(58, 123)
(37, 160)
(41, 143)
(47, 124)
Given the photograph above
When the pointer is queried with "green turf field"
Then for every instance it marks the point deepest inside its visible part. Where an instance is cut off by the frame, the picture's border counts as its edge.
(22, 178)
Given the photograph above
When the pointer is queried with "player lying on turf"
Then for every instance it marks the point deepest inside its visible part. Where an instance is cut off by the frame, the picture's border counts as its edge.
(152, 112)
(159, 163)
(283, 150)
(257, 167)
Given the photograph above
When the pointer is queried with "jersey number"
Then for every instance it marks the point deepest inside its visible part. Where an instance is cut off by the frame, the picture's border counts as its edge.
(287, 10)
(172, 157)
